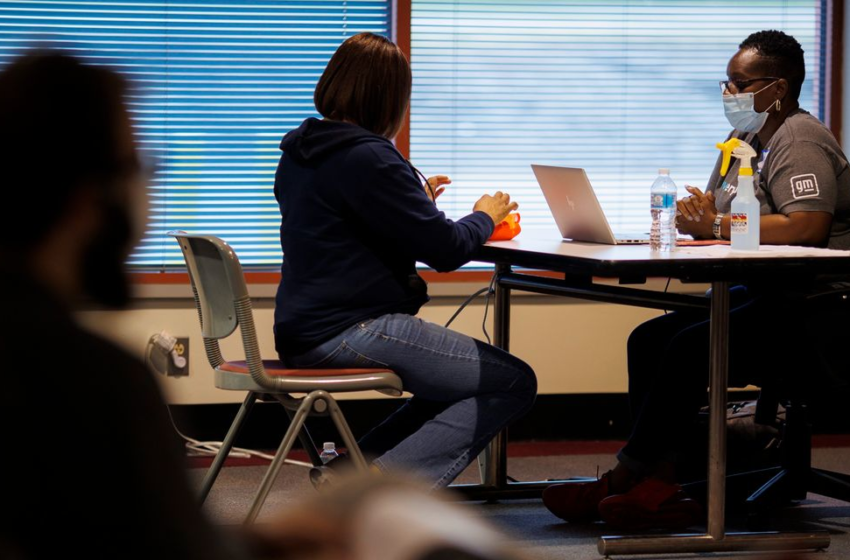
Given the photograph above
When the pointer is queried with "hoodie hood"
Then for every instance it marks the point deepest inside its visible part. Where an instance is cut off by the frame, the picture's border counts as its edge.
(316, 139)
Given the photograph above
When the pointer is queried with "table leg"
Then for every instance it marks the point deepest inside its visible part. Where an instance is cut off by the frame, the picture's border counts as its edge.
(493, 460)
(494, 457)
(716, 539)
(718, 382)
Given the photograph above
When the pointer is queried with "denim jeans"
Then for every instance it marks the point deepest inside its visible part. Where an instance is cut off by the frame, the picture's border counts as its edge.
(464, 392)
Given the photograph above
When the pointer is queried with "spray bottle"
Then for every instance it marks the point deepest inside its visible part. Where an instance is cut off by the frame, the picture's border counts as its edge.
(746, 209)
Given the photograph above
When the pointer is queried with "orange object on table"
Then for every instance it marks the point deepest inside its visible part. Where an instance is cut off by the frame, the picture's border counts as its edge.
(506, 229)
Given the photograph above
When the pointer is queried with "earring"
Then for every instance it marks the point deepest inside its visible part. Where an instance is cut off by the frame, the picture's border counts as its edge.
(778, 105)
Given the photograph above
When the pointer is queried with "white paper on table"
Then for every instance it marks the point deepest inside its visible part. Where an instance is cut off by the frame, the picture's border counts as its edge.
(721, 251)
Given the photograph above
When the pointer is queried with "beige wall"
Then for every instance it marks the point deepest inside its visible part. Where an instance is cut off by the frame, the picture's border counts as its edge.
(574, 346)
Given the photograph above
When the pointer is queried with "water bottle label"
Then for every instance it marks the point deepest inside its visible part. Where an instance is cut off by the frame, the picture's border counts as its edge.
(740, 224)
(661, 201)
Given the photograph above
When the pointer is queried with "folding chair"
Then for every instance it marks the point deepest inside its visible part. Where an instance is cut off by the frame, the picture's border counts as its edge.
(221, 296)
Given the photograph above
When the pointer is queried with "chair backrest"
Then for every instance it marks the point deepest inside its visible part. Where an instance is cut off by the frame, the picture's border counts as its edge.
(217, 277)
(221, 295)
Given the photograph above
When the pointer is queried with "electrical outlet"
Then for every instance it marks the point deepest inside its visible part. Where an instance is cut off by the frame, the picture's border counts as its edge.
(182, 350)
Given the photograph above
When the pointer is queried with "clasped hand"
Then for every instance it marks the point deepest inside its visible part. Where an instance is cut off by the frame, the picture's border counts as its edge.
(695, 214)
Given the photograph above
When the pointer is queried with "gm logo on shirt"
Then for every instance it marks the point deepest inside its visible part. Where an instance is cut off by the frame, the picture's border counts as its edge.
(804, 186)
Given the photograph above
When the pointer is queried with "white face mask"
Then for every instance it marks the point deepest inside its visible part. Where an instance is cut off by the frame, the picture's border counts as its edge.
(741, 112)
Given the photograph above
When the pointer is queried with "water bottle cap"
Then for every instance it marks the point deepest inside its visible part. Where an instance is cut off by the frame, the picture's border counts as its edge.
(329, 446)
(664, 171)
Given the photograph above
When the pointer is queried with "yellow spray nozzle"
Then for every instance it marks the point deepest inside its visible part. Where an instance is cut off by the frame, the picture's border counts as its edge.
(727, 148)
(739, 149)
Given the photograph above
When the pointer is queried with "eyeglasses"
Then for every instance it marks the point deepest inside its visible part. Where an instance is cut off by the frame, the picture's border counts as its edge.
(736, 86)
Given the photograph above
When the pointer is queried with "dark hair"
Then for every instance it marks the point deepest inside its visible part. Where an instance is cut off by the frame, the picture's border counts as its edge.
(59, 131)
(782, 56)
(367, 82)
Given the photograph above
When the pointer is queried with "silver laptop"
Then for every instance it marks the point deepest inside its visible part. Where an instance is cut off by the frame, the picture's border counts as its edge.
(577, 210)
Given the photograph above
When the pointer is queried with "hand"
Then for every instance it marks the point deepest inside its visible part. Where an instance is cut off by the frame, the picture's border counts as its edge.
(497, 206)
(695, 214)
(435, 187)
(689, 208)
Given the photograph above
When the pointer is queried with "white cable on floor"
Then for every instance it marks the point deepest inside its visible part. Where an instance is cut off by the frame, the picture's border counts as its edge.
(197, 448)
(211, 448)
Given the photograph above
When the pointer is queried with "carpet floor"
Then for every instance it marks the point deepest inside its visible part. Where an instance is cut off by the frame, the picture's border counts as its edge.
(527, 522)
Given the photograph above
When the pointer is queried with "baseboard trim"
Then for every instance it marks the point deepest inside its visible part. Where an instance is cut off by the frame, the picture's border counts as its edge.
(556, 418)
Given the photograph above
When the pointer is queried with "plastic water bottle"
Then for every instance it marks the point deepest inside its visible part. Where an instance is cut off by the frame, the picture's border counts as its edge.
(662, 236)
(328, 452)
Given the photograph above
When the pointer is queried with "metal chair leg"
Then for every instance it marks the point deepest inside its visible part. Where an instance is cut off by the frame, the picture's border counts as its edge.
(482, 461)
(283, 450)
(344, 431)
(227, 445)
(773, 493)
(306, 440)
(843, 477)
(834, 485)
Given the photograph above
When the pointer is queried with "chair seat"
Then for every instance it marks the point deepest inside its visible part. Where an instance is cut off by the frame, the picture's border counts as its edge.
(235, 376)
(276, 368)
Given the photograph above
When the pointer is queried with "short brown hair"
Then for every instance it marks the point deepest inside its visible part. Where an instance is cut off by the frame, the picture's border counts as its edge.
(367, 82)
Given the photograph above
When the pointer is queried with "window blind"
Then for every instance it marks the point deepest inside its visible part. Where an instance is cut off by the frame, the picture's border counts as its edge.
(620, 88)
(220, 82)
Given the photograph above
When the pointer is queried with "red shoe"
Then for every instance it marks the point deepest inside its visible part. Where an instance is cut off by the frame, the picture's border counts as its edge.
(577, 502)
(651, 504)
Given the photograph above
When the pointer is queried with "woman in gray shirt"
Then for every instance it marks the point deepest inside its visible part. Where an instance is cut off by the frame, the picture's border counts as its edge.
(804, 189)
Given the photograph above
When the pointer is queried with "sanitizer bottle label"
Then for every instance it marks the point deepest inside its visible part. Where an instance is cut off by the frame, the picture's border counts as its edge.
(739, 223)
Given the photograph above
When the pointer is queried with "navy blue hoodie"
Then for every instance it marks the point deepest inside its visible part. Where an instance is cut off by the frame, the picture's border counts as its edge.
(355, 219)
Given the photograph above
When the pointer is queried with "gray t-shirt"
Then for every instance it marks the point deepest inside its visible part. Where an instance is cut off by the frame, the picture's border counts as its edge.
(802, 169)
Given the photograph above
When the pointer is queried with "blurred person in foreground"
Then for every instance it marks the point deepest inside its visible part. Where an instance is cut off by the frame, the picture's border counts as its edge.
(384, 518)
(90, 463)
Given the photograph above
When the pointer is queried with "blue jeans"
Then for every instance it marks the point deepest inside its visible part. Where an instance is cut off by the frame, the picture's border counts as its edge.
(465, 392)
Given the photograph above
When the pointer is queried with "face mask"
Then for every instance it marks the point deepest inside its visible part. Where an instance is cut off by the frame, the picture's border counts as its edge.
(741, 111)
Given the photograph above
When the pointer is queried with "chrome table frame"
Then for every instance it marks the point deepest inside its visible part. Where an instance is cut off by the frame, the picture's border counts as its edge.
(578, 274)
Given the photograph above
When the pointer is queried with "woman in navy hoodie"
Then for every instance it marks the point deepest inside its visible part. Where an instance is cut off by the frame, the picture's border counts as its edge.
(355, 220)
